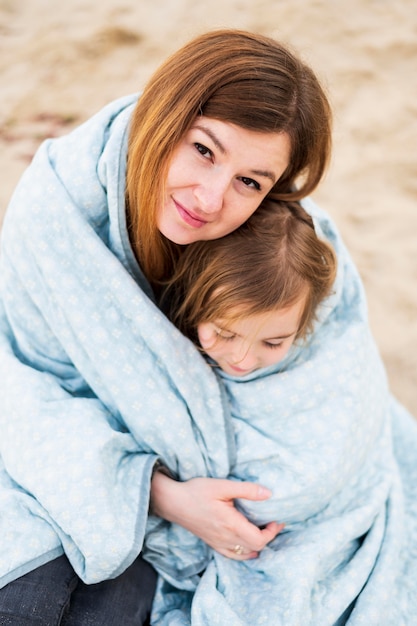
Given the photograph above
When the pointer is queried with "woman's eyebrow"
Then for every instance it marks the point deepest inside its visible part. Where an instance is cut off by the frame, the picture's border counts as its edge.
(265, 174)
(219, 146)
(213, 137)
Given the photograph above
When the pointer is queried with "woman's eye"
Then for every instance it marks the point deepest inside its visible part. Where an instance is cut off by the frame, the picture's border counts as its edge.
(203, 150)
(249, 182)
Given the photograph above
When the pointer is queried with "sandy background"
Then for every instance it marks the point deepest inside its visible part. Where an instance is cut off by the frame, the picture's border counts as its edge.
(61, 62)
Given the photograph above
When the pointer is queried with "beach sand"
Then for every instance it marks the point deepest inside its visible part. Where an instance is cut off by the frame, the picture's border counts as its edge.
(60, 63)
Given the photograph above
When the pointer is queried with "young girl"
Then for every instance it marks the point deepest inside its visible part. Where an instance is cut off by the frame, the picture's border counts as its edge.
(247, 297)
(284, 329)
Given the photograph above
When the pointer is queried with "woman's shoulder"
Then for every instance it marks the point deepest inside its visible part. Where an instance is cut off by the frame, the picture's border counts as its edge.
(83, 147)
(70, 172)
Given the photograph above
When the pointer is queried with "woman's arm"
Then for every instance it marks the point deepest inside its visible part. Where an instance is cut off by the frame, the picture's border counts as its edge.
(205, 507)
(75, 477)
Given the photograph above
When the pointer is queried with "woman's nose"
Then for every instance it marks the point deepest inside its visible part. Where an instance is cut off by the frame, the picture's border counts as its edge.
(210, 195)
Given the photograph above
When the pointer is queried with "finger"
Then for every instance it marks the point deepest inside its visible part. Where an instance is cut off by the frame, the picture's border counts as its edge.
(238, 549)
(245, 556)
(245, 490)
(271, 530)
(241, 553)
(255, 539)
(231, 553)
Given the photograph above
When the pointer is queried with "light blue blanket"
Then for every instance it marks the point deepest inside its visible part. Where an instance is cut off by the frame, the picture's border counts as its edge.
(96, 384)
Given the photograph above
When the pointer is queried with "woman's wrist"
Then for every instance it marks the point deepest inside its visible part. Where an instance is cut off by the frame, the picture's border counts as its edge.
(160, 467)
(162, 484)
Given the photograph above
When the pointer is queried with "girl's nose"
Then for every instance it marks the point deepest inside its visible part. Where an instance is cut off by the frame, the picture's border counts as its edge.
(244, 357)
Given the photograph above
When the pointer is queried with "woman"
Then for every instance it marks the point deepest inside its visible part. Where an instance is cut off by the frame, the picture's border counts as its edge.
(229, 119)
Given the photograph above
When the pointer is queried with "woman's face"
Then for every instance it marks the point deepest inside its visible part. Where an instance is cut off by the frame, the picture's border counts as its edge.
(218, 175)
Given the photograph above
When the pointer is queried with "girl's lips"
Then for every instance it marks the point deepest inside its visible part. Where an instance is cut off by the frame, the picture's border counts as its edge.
(238, 369)
(189, 218)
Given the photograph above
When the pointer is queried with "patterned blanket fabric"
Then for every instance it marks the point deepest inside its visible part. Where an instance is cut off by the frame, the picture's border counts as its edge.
(96, 384)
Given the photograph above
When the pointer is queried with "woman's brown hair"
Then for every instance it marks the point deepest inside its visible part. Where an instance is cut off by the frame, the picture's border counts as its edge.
(234, 76)
(267, 264)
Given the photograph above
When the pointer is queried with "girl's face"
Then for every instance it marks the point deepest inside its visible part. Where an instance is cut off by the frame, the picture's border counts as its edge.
(217, 177)
(249, 343)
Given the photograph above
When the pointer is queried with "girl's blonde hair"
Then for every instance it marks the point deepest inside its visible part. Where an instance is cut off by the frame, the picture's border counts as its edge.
(234, 76)
(267, 264)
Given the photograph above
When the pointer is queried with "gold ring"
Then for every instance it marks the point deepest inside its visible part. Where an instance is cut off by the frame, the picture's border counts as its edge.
(238, 549)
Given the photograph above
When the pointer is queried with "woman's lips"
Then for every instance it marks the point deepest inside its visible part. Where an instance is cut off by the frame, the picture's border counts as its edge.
(188, 217)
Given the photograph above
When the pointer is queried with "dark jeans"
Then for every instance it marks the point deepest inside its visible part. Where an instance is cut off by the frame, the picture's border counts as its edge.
(53, 595)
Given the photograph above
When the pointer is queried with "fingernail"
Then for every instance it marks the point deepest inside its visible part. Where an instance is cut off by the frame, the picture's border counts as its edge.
(263, 492)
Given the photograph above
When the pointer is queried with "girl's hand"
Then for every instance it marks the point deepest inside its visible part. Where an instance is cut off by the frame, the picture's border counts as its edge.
(205, 507)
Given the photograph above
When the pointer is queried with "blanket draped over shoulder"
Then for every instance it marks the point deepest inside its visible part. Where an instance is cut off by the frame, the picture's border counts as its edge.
(96, 385)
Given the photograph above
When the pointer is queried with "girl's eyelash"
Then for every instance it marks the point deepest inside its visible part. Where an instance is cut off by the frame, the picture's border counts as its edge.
(220, 334)
(225, 337)
(272, 345)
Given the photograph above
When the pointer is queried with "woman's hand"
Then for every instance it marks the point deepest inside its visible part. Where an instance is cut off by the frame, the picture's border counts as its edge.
(205, 507)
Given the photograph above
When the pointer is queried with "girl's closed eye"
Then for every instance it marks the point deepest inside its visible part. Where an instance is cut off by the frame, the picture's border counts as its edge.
(225, 337)
(268, 344)
(224, 334)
